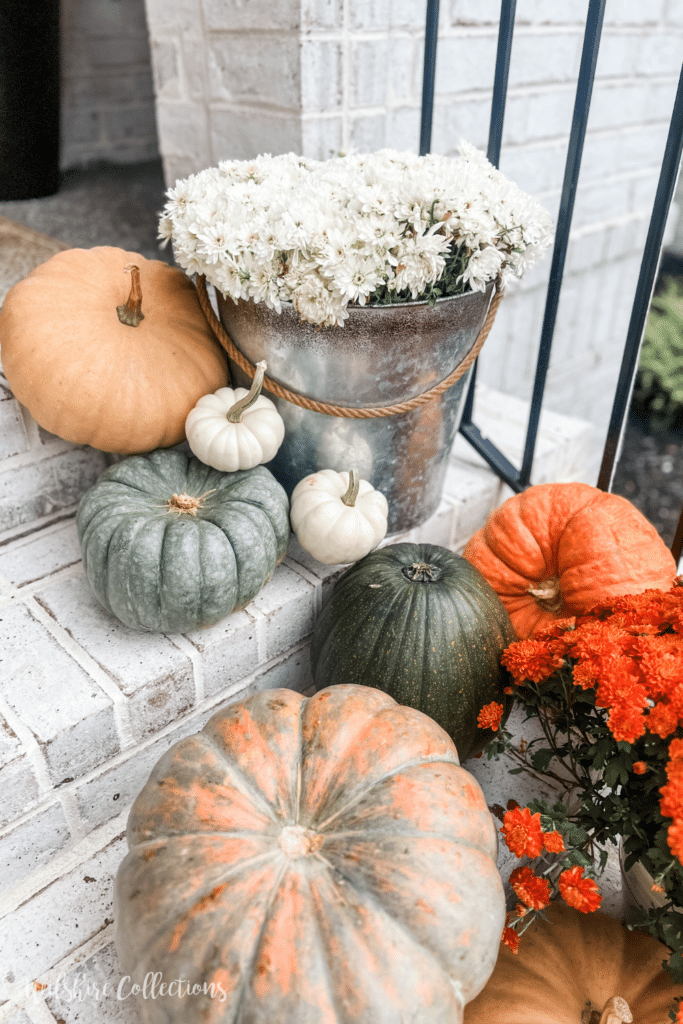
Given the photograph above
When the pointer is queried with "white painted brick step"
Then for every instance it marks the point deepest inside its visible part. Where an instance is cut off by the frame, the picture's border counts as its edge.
(88, 706)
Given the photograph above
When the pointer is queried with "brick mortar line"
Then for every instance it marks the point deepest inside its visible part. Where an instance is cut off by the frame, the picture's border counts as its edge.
(73, 816)
(618, 131)
(63, 863)
(51, 450)
(602, 225)
(345, 75)
(31, 746)
(206, 81)
(38, 1011)
(91, 667)
(25, 533)
(441, 99)
(446, 31)
(31, 428)
(633, 175)
(307, 575)
(188, 648)
(20, 999)
(67, 572)
(260, 618)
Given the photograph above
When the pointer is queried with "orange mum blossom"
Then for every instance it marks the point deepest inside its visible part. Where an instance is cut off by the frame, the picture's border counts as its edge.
(607, 691)
(532, 660)
(522, 831)
(533, 891)
(579, 892)
(510, 937)
(490, 716)
(553, 842)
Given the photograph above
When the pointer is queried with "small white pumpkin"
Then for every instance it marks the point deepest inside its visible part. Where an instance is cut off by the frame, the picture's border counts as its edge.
(235, 429)
(337, 517)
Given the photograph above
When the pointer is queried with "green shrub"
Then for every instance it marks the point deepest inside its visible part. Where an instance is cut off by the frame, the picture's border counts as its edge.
(658, 387)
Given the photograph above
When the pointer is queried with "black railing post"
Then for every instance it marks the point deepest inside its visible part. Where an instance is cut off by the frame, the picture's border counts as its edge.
(646, 282)
(584, 90)
(500, 90)
(429, 74)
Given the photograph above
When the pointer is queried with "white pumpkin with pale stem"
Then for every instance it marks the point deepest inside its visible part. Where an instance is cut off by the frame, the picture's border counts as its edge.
(337, 517)
(235, 429)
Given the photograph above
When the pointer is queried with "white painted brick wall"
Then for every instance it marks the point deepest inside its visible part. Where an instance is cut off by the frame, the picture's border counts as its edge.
(107, 101)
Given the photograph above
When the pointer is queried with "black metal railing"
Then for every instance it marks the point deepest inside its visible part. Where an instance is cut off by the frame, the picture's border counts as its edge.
(519, 478)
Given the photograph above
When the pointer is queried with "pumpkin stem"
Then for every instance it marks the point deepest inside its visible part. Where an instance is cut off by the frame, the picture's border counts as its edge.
(615, 1011)
(131, 313)
(236, 411)
(421, 572)
(349, 497)
(188, 503)
(547, 594)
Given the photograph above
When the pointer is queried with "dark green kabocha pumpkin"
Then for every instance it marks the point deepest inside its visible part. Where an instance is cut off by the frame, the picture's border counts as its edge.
(422, 624)
(170, 545)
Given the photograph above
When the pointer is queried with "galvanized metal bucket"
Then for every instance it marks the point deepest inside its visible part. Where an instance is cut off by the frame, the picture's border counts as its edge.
(383, 355)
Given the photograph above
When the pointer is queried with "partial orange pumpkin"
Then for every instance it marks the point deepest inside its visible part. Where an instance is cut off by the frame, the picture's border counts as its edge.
(555, 550)
(316, 861)
(89, 369)
(576, 968)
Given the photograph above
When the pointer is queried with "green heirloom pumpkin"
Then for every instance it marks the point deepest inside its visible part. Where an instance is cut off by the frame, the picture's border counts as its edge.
(422, 624)
(170, 545)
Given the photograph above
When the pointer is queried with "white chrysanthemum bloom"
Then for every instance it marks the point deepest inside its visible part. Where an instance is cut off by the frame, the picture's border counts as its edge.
(420, 261)
(357, 277)
(315, 303)
(483, 266)
(325, 233)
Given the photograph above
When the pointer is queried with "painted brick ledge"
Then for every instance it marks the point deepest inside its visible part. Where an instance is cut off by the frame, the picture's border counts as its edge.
(88, 706)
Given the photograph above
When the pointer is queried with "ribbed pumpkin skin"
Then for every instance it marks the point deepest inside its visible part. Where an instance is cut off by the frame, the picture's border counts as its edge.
(572, 959)
(597, 545)
(159, 570)
(391, 910)
(434, 646)
(90, 379)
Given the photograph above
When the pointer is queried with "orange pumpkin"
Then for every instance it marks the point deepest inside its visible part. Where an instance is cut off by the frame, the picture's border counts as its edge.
(576, 968)
(318, 861)
(107, 348)
(555, 550)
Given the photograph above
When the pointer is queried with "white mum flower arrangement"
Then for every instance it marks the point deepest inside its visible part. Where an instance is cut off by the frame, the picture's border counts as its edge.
(371, 228)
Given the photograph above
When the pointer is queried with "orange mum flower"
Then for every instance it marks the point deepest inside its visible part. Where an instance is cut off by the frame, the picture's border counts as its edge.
(531, 890)
(579, 892)
(510, 938)
(639, 767)
(490, 716)
(533, 660)
(674, 838)
(522, 831)
(553, 842)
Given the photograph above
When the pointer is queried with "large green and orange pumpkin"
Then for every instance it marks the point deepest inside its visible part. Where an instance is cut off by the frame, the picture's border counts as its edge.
(422, 624)
(555, 550)
(310, 861)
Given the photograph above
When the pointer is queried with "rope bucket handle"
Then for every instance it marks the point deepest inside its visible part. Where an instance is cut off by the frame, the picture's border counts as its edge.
(343, 410)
